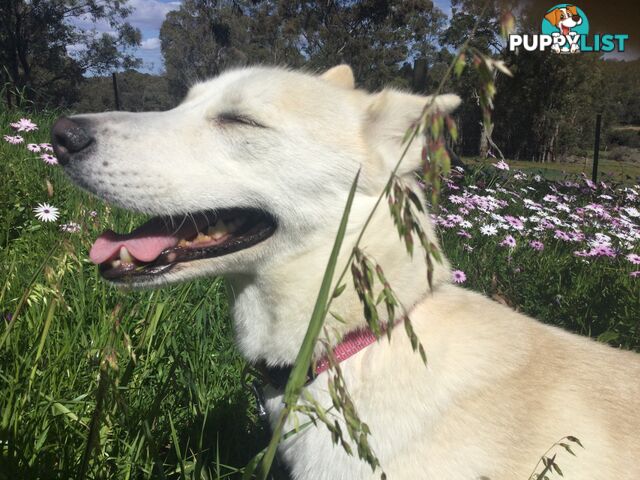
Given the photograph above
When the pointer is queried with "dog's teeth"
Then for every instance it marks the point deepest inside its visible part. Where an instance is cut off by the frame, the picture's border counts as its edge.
(182, 243)
(115, 263)
(202, 238)
(218, 230)
(125, 256)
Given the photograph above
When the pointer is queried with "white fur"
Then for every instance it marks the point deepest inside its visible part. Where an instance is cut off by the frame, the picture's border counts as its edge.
(499, 387)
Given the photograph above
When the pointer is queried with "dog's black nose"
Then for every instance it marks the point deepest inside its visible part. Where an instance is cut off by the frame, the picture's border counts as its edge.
(68, 137)
(576, 18)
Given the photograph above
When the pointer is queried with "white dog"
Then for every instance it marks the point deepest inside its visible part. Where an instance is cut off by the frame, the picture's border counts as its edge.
(254, 167)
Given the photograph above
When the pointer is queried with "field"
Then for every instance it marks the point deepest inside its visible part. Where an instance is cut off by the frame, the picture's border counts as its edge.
(619, 172)
(97, 382)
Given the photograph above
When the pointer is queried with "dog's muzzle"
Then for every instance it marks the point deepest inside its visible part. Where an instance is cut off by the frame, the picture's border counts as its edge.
(68, 137)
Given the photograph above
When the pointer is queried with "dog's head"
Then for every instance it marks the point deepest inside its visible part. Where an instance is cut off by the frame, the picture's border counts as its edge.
(564, 18)
(252, 166)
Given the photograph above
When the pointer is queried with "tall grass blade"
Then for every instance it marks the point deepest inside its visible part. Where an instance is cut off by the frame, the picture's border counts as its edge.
(298, 376)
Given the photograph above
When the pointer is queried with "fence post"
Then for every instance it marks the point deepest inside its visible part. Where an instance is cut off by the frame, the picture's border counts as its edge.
(116, 94)
(596, 149)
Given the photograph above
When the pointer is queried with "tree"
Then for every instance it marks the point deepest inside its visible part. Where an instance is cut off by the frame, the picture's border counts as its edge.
(37, 36)
(376, 37)
(485, 17)
(138, 92)
(203, 37)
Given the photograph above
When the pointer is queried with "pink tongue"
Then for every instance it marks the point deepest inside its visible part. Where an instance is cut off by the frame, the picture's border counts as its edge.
(145, 248)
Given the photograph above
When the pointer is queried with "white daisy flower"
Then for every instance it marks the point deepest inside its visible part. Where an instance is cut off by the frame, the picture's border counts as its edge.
(71, 227)
(46, 213)
(632, 211)
(488, 230)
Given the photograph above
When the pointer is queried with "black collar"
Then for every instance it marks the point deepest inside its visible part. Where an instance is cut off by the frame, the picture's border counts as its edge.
(278, 376)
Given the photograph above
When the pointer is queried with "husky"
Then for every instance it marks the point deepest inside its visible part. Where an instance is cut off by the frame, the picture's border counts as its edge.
(248, 178)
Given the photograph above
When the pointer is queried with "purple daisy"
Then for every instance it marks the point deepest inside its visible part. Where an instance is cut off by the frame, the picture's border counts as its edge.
(13, 140)
(508, 241)
(634, 258)
(24, 125)
(458, 276)
(536, 245)
(49, 159)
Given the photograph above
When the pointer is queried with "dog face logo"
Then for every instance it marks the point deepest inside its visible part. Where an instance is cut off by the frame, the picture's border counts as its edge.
(566, 20)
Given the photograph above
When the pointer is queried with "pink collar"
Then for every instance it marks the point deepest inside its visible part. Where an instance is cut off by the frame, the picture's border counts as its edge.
(351, 344)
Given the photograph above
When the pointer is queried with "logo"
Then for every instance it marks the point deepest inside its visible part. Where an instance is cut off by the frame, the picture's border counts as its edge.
(565, 29)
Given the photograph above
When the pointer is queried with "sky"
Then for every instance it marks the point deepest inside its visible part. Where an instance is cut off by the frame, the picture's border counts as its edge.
(148, 16)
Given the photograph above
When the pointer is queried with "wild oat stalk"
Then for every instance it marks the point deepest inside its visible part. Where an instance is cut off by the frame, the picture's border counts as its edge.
(404, 206)
(549, 462)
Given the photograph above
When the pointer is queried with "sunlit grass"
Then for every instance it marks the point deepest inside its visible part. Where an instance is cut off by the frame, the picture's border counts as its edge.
(112, 383)
(608, 169)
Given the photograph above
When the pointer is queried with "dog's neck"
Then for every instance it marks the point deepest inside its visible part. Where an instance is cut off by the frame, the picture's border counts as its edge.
(271, 310)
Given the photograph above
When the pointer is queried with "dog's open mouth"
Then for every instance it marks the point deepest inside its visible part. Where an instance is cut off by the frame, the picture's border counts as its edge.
(162, 242)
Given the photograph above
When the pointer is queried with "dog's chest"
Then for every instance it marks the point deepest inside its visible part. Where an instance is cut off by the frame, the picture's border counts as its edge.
(403, 427)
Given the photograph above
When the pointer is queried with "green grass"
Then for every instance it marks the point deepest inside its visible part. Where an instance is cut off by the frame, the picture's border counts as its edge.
(117, 384)
(608, 169)
(103, 383)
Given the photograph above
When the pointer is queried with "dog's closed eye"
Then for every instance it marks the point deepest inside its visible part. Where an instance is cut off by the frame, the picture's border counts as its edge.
(230, 118)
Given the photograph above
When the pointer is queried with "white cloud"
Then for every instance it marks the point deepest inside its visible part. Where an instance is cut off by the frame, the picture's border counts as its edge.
(149, 14)
(150, 44)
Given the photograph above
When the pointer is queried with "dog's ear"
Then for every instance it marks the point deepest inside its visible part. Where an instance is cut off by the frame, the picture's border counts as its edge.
(390, 114)
(340, 76)
(572, 9)
(553, 16)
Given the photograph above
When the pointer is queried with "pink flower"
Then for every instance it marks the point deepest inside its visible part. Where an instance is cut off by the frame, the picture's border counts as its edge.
(458, 276)
(576, 236)
(13, 140)
(590, 184)
(514, 222)
(559, 234)
(501, 165)
(24, 125)
(508, 241)
(602, 251)
(49, 159)
(536, 245)
(455, 219)
(634, 258)
(47, 147)
(635, 274)
(33, 147)
(464, 233)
